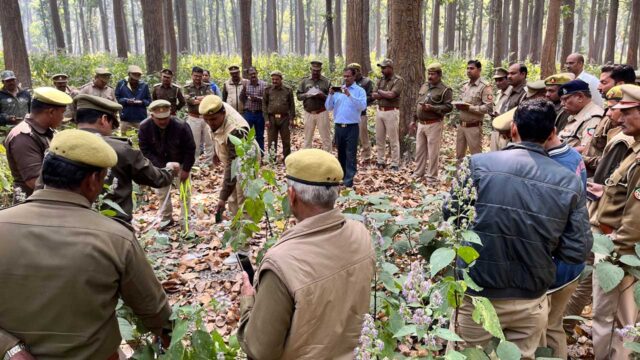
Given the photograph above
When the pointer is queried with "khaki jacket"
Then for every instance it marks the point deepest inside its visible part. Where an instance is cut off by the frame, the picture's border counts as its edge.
(480, 95)
(439, 96)
(327, 263)
(231, 94)
(63, 268)
(106, 92)
(619, 207)
(581, 127)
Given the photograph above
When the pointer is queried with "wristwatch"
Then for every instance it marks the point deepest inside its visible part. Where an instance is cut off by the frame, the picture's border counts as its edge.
(14, 350)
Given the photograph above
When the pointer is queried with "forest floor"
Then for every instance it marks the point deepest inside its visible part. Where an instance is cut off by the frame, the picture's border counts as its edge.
(192, 270)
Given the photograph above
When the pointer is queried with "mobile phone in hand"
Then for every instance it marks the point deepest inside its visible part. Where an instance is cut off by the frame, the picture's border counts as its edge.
(245, 265)
(337, 89)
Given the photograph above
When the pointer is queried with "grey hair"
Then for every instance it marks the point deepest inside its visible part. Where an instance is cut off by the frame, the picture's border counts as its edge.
(324, 196)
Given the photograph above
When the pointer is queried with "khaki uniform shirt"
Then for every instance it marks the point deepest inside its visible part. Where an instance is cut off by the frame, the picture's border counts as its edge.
(581, 127)
(69, 113)
(499, 100)
(232, 93)
(192, 91)
(614, 152)
(439, 96)
(26, 144)
(596, 144)
(513, 96)
(278, 101)
(172, 94)
(619, 206)
(315, 103)
(395, 84)
(480, 95)
(312, 276)
(63, 267)
(562, 117)
(107, 92)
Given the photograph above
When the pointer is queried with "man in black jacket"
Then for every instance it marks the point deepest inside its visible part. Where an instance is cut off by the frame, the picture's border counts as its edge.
(529, 209)
(163, 139)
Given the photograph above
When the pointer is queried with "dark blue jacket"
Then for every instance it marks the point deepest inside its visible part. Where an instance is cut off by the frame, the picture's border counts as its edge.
(134, 113)
(530, 209)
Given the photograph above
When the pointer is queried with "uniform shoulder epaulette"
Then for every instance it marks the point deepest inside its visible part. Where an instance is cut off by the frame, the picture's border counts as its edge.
(86, 85)
(176, 85)
(156, 85)
(122, 138)
(483, 81)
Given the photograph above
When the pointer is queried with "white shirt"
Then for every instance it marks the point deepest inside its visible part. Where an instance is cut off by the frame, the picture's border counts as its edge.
(593, 87)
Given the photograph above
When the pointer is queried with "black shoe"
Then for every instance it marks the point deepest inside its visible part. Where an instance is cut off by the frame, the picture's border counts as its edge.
(380, 166)
(395, 168)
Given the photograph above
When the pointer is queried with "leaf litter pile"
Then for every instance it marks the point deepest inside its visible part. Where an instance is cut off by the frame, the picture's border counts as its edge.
(191, 267)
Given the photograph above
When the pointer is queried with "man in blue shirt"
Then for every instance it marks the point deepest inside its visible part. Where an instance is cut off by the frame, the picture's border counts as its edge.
(133, 94)
(206, 77)
(347, 103)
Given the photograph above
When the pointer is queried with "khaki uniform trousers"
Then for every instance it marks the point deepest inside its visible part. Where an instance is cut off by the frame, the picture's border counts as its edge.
(523, 322)
(611, 311)
(497, 142)
(235, 199)
(363, 138)
(554, 336)
(428, 140)
(201, 135)
(468, 136)
(387, 123)
(582, 296)
(126, 126)
(166, 208)
(322, 122)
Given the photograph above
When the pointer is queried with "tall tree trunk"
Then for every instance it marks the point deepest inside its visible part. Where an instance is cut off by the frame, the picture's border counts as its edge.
(357, 35)
(227, 38)
(366, 55)
(330, 37)
(592, 31)
(307, 30)
(492, 28)
(536, 31)
(624, 38)
(435, 28)
(83, 27)
(498, 47)
(378, 24)
(450, 28)
(171, 34)
(634, 34)
(548, 59)
(120, 25)
(281, 12)
(67, 26)
(513, 45)
(57, 25)
(580, 27)
(245, 34)
(568, 9)
(134, 22)
(478, 28)
(601, 20)
(524, 28)
(611, 32)
(44, 17)
(15, 49)
(151, 18)
(300, 34)
(213, 28)
(235, 4)
(104, 21)
(408, 55)
(337, 34)
(272, 35)
(505, 27)
(183, 26)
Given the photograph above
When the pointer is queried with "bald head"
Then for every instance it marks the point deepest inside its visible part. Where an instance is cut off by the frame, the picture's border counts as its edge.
(574, 63)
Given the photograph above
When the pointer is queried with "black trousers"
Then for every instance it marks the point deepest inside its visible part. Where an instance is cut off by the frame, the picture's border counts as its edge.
(347, 143)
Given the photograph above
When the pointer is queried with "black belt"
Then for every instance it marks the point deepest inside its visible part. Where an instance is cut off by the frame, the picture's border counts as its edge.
(346, 125)
(254, 111)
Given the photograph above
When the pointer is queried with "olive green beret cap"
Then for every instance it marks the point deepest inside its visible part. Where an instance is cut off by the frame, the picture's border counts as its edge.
(434, 67)
(630, 96)
(533, 87)
(52, 96)
(60, 77)
(354, 66)
(83, 147)
(500, 72)
(211, 104)
(103, 71)
(276, 73)
(234, 68)
(559, 79)
(84, 101)
(157, 104)
(503, 122)
(615, 93)
(314, 167)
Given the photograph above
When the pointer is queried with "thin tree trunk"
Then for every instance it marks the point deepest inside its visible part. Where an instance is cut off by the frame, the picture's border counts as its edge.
(624, 38)
(330, 37)
(183, 26)
(592, 30)
(151, 18)
(366, 55)
(497, 42)
(44, 17)
(450, 28)
(634, 34)
(378, 24)
(601, 20)
(15, 48)
(272, 26)
(292, 33)
(337, 34)
(408, 55)
(235, 4)
(120, 25)
(579, 27)
(548, 59)
(213, 27)
(300, 34)
(104, 21)
(435, 28)
(83, 27)
(171, 34)
(478, 28)
(307, 30)
(569, 7)
(67, 26)
(513, 45)
(536, 31)
(611, 32)
(524, 28)
(57, 25)
(492, 28)
(223, 9)
(281, 25)
(505, 27)
(245, 34)
(134, 22)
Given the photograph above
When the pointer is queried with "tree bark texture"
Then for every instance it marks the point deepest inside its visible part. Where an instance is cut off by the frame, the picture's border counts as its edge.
(134, 23)
(245, 34)
(120, 27)
(357, 35)
(104, 21)
(330, 38)
(611, 32)
(513, 41)
(548, 59)
(171, 35)
(151, 19)
(183, 26)
(67, 26)
(337, 34)
(435, 28)
(492, 28)
(568, 9)
(536, 30)
(15, 48)
(498, 32)
(592, 30)
(57, 25)
(525, 36)
(450, 28)
(634, 34)
(300, 28)
(478, 28)
(408, 55)
(505, 28)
